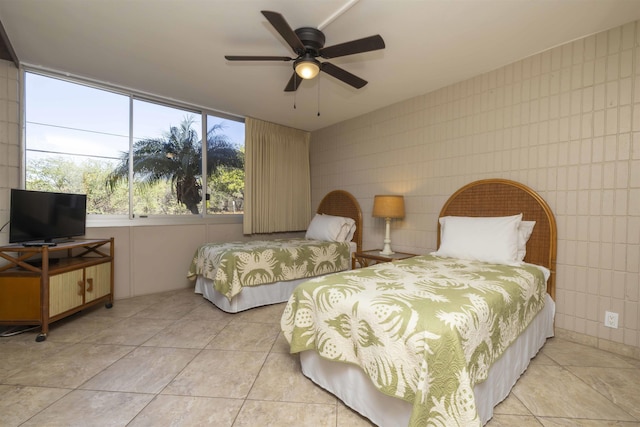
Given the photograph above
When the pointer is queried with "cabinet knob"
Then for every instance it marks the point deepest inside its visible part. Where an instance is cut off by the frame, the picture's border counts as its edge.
(90, 283)
(80, 287)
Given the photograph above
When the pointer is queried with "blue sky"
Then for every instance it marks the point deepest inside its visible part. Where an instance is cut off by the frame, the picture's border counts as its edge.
(77, 119)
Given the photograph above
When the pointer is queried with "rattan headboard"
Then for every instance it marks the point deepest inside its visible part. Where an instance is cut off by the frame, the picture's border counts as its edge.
(342, 203)
(501, 197)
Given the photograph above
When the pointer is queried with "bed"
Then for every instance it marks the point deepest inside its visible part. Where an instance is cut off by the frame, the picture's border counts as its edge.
(446, 369)
(259, 288)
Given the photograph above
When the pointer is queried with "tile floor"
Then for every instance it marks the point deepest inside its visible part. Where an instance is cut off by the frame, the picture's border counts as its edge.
(173, 359)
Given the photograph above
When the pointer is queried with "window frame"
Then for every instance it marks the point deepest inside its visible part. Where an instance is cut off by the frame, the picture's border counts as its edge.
(110, 220)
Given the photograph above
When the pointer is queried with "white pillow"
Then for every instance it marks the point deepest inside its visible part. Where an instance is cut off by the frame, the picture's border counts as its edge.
(329, 228)
(524, 232)
(351, 232)
(488, 239)
(348, 230)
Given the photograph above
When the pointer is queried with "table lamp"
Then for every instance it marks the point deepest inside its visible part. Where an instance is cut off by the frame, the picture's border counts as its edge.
(387, 207)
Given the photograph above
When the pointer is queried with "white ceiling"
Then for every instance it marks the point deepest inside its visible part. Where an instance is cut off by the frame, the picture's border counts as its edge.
(175, 48)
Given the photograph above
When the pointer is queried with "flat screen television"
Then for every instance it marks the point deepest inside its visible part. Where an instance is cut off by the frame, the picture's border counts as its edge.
(42, 217)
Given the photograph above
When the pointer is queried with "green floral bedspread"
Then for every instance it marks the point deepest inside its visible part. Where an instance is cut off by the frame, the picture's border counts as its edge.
(233, 265)
(424, 329)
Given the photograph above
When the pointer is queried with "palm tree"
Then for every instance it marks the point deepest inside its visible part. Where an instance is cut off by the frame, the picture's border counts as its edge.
(177, 156)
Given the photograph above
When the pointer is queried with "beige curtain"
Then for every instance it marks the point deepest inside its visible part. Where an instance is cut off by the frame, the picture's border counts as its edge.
(277, 188)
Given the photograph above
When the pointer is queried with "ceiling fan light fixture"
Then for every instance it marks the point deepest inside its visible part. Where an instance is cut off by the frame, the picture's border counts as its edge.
(307, 43)
(307, 68)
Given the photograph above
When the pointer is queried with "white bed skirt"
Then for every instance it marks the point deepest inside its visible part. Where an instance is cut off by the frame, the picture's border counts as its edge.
(350, 384)
(250, 297)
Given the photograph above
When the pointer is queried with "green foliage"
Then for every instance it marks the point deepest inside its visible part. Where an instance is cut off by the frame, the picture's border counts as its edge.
(226, 189)
(78, 175)
(174, 158)
(167, 175)
(53, 174)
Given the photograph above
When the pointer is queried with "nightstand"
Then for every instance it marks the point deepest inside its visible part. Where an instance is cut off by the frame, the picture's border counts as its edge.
(367, 258)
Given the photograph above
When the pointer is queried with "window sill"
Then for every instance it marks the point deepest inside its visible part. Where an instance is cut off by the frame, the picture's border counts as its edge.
(116, 221)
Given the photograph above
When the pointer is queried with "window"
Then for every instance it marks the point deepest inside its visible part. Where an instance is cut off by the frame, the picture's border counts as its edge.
(167, 160)
(225, 184)
(74, 135)
(85, 139)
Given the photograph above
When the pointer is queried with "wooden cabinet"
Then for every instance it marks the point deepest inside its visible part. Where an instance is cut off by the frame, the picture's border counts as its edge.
(39, 285)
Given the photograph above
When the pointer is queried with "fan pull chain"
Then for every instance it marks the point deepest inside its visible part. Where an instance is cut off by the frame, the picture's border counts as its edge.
(295, 91)
(318, 95)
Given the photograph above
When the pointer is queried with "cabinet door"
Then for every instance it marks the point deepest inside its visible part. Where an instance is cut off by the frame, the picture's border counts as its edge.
(20, 298)
(66, 291)
(97, 281)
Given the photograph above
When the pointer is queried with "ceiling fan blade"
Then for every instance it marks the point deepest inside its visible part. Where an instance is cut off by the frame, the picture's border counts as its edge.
(343, 75)
(294, 83)
(257, 58)
(282, 27)
(366, 44)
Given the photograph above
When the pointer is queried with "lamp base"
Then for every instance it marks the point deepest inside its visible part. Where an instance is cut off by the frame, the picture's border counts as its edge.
(386, 249)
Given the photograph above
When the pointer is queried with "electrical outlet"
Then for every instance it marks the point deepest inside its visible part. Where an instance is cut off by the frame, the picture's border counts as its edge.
(611, 319)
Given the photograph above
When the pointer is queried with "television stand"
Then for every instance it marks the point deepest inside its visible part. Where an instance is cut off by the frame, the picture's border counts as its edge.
(37, 289)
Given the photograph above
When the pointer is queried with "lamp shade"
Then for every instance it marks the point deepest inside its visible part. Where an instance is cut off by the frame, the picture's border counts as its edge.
(388, 206)
(307, 68)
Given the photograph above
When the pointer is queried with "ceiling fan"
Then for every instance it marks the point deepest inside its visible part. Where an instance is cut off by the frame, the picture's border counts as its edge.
(308, 45)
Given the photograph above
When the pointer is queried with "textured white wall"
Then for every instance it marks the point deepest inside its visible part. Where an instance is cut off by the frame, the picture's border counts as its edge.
(9, 140)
